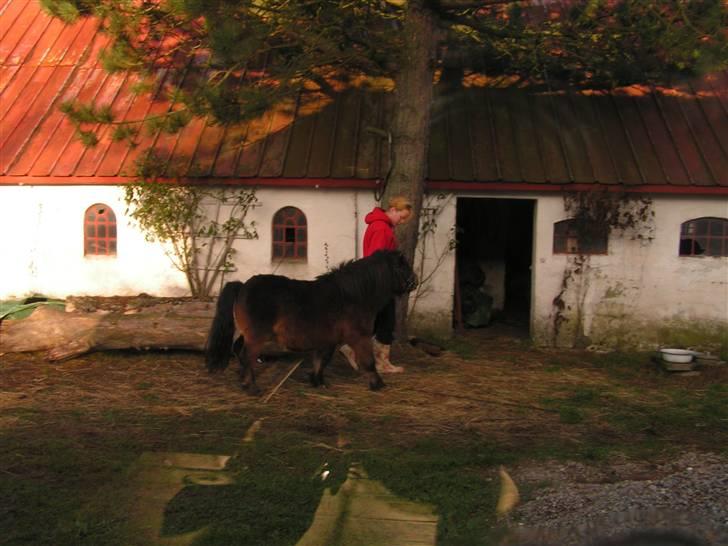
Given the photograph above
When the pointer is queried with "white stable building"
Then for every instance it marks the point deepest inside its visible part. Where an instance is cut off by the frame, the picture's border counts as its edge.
(501, 162)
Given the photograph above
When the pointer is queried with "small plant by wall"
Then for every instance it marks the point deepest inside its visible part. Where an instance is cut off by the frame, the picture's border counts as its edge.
(199, 224)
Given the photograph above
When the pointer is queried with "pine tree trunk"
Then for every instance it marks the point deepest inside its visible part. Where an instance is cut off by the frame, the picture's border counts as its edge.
(410, 127)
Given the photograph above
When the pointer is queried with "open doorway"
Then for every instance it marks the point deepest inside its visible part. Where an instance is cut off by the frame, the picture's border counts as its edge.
(494, 253)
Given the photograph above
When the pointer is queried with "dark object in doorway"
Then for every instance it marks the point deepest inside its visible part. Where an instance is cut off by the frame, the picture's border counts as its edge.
(477, 307)
(470, 273)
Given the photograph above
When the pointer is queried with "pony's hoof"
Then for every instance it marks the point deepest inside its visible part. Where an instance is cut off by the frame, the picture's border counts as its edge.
(316, 381)
(376, 384)
(251, 390)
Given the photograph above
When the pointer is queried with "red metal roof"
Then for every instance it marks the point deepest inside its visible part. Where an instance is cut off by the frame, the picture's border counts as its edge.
(481, 138)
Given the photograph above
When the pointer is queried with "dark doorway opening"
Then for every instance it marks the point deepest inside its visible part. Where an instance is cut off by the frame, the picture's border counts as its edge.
(494, 253)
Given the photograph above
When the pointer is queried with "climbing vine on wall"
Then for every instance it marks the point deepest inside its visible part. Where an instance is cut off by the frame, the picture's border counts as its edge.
(428, 248)
(602, 212)
(198, 223)
(596, 215)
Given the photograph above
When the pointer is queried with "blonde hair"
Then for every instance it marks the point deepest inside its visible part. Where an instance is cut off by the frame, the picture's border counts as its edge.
(400, 202)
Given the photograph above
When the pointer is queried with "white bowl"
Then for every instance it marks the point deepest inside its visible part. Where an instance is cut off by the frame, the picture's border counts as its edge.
(677, 355)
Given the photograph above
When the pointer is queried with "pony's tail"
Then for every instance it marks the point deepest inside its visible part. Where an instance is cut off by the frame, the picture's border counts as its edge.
(220, 339)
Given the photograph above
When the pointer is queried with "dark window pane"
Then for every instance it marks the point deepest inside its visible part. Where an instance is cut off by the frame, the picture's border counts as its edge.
(599, 246)
(101, 230)
(101, 246)
(717, 227)
(686, 247)
(277, 251)
(715, 247)
(700, 245)
(572, 245)
(112, 246)
(567, 240)
(701, 227)
(112, 230)
(289, 251)
(290, 235)
(561, 230)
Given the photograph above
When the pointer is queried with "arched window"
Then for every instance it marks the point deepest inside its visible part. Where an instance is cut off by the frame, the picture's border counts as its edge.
(290, 234)
(704, 237)
(569, 239)
(99, 231)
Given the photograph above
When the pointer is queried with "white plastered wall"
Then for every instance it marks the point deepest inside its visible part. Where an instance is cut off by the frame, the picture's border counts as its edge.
(335, 222)
(638, 294)
(41, 248)
(630, 292)
(632, 295)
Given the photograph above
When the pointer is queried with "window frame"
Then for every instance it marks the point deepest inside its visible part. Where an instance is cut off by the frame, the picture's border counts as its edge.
(690, 230)
(571, 233)
(289, 235)
(103, 217)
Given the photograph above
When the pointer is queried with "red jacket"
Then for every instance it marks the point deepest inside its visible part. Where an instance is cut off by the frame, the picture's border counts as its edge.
(379, 234)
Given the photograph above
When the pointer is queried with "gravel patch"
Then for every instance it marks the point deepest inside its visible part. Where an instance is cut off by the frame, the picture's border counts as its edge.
(681, 503)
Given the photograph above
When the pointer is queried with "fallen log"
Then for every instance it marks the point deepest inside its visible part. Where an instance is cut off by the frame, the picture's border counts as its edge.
(65, 335)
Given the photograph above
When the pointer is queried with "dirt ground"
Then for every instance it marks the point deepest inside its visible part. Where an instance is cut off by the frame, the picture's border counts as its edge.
(491, 382)
(495, 387)
(484, 392)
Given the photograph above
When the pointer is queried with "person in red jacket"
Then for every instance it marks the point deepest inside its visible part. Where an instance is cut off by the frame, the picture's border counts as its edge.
(379, 235)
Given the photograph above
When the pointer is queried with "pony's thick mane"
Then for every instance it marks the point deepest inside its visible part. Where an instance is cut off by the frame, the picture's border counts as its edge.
(368, 281)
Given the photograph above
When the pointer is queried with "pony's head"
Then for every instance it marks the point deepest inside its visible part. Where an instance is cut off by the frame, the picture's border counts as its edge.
(403, 276)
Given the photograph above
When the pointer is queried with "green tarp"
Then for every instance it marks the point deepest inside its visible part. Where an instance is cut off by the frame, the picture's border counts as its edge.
(17, 309)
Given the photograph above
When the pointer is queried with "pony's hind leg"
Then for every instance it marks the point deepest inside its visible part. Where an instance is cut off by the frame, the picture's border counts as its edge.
(246, 359)
(320, 361)
(365, 357)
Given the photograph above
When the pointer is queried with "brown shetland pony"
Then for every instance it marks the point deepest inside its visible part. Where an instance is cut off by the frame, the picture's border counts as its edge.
(313, 317)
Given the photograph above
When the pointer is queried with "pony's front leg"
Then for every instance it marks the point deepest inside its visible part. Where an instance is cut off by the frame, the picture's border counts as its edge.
(365, 357)
(320, 360)
(246, 359)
